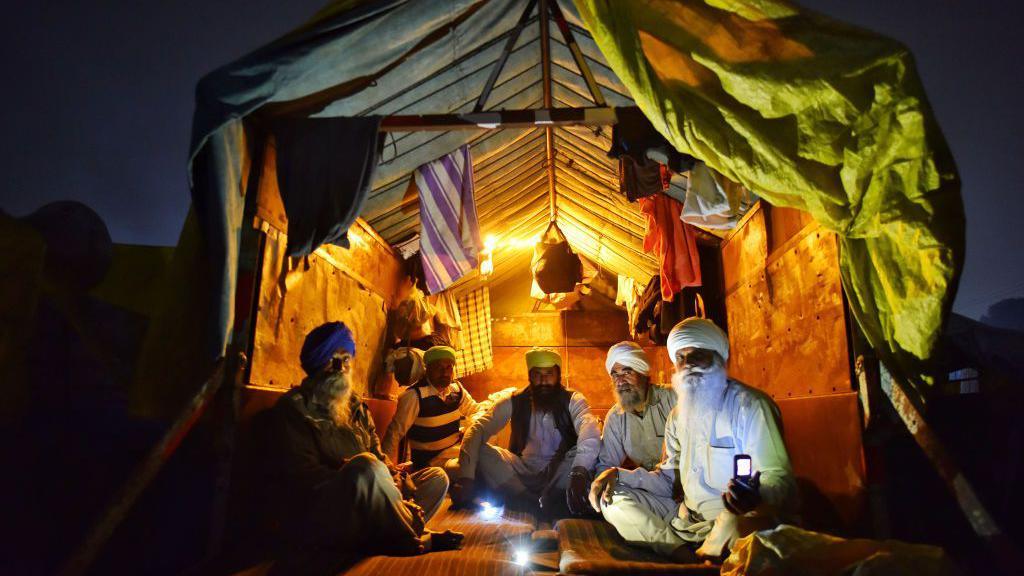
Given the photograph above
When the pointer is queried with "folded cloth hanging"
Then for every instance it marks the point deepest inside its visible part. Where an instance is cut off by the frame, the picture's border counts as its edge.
(637, 180)
(673, 242)
(713, 201)
(450, 233)
(324, 171)
(447, 320)
(476, 354)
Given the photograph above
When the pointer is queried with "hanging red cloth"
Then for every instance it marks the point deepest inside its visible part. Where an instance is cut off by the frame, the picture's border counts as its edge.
(673, 242)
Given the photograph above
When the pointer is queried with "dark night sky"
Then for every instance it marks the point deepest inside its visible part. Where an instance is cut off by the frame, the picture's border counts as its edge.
(98, 106)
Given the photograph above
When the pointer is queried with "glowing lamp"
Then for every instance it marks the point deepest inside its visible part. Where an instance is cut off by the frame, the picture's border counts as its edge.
(522, 556)
(489, 511)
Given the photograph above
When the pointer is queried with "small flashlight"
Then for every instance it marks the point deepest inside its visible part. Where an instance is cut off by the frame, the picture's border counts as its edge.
(489, 511)
(522, 556)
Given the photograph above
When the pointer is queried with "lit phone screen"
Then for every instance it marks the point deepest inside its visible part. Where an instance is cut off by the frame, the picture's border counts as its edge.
(743, 467)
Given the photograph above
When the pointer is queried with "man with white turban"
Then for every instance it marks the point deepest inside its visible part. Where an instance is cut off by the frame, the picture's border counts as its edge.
(634, 430)
(715, 419)
(551, 453)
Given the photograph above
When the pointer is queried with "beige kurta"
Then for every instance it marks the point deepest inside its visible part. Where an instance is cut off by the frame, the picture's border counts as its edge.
(639, 437)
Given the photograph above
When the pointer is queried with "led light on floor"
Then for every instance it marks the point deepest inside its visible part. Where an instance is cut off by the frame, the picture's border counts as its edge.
(489, 511)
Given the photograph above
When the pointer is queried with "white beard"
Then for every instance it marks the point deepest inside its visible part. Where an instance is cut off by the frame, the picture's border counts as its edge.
(698, 393)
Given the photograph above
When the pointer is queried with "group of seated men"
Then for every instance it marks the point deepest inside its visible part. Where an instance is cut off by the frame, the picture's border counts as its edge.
(664, 463)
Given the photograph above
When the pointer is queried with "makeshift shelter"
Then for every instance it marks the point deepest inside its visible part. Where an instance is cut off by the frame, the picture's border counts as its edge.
(826, 123)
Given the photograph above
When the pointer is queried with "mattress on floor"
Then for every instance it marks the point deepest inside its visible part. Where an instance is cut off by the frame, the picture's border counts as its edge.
(487, 549)
(594, 547)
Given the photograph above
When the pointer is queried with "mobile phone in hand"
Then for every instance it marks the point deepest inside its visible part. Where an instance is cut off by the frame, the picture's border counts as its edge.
(742, 467)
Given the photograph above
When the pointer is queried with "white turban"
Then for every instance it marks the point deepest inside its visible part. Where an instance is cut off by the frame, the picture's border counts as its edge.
(697, 333)
(406, 364)
(628, 354)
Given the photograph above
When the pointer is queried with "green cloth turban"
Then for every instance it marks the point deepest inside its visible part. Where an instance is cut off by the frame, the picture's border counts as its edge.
(542, 358)
(436, 353)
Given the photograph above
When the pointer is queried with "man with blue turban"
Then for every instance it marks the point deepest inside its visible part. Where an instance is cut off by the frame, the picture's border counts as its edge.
(345, 496)
(715, 419)
(552, 449)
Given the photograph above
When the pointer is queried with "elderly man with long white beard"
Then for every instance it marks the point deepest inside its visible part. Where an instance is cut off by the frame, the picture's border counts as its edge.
(554, 442)
(716, 418)
(634, 430)
(342, 495)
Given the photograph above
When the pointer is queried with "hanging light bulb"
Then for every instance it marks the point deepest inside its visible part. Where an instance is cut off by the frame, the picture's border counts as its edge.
(486, 260)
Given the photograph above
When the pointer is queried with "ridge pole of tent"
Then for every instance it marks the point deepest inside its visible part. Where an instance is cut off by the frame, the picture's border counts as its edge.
(549, 137)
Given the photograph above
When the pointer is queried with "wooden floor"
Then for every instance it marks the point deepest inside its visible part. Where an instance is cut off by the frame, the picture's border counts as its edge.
(574, 547)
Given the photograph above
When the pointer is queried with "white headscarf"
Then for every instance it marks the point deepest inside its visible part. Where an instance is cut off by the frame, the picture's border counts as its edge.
(628, 354)
(416, 370)
(697, 333)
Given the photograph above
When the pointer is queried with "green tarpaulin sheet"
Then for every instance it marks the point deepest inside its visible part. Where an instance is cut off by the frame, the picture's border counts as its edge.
(815, 115)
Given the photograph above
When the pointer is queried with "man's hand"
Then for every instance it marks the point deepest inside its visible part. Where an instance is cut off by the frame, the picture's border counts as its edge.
(403, 481)
(579, 486)
(742, 497)
(602, 486)
(447, 540)
(462, 492)
(419, 518)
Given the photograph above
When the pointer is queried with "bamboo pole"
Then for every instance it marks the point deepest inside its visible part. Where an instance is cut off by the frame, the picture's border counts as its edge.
(130, 491)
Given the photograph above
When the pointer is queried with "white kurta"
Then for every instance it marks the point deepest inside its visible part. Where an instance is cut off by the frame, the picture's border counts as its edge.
(746, 421)
(541, 444)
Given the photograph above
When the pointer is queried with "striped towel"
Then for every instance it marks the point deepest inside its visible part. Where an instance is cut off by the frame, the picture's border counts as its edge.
(476, 355)
(450, 233)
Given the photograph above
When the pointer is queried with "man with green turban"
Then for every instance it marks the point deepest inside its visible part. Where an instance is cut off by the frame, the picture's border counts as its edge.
(431, 414)
(553, 446)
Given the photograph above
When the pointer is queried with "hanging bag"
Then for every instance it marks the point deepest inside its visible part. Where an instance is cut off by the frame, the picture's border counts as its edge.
(556, 268)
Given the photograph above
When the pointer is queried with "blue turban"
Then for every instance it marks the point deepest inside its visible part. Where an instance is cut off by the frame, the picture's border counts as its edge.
(322, 342)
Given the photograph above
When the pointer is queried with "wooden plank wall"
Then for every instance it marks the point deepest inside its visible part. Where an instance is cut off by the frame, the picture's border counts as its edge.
(355, 285)
(581, 337)
(788, 337)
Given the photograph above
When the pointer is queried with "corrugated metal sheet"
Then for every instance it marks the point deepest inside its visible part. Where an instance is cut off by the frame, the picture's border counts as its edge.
(510, 164)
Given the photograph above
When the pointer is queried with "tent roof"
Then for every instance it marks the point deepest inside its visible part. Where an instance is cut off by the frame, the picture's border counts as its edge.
(509, 164)
(809, 113)
(446, 73)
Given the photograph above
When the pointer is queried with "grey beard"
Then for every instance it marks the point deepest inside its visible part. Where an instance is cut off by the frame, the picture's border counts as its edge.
(335, 392)
(629, 400)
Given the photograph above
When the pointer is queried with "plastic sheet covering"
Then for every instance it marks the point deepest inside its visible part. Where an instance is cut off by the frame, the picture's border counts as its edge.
(791, 550)
(816, 115)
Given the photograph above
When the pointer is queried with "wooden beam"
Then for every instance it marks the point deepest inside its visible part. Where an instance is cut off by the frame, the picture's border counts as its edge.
(543, 117)
(1005, 553)
(500, 64)
(130, 491)
(577, 54)
(549, 137)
